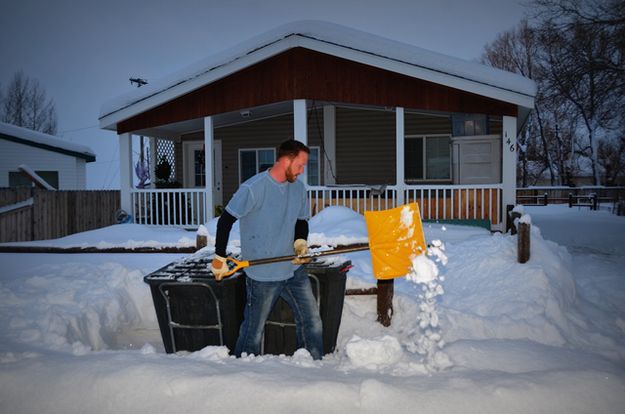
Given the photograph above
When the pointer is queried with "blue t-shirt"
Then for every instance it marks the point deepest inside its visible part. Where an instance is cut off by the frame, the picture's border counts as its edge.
(267, 211)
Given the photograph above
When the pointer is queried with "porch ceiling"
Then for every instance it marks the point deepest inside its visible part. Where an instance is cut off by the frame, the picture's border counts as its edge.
(176, 129)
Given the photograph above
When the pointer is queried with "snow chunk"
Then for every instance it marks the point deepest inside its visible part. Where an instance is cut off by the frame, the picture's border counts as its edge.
(375, 353)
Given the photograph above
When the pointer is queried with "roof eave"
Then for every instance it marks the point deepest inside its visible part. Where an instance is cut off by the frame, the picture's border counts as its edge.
(110, 121)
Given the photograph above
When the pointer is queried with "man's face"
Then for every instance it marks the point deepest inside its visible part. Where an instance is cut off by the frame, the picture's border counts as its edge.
(296, 166)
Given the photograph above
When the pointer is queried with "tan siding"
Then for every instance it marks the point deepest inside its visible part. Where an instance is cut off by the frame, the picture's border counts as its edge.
(420, 124)
(365, 146)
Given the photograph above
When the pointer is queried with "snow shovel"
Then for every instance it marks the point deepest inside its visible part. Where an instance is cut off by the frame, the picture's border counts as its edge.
(395, 238)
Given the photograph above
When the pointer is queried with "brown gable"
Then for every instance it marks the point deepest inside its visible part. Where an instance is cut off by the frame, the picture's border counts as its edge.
(301, 73)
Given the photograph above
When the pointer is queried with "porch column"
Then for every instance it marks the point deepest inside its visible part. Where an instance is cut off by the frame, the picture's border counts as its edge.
(300, 126)
(329, 145)
(508, 165)
(399, 151)
(125, 172)
(209, 208)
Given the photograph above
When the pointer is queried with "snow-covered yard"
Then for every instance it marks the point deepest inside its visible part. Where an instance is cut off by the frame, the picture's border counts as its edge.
(78, 332)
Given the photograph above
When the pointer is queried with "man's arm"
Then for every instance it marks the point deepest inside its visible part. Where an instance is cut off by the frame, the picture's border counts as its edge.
(218, 265)
(224, 225)
(300, 245)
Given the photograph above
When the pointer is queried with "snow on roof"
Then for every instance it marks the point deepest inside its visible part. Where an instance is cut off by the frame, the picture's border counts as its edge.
(46, 140)
(307, 33)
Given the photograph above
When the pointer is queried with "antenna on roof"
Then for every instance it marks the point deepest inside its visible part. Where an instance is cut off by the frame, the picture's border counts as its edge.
(139, 81)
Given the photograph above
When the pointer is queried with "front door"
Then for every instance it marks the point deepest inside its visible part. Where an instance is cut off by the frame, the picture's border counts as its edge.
(194, 168)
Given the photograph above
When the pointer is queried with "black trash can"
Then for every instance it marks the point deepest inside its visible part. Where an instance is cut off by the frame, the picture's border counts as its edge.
(194, 310)
(328, 285)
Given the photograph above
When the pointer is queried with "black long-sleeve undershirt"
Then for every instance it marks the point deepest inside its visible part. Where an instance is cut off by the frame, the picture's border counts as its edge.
(226, 221)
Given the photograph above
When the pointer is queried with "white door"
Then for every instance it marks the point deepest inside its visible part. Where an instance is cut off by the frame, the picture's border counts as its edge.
(477, 160)
(194, 167)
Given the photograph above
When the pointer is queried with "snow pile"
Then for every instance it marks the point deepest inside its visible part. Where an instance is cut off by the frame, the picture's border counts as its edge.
(126, 235)
(374, 353)
(76, 307)
(335, 226)
(523, 301)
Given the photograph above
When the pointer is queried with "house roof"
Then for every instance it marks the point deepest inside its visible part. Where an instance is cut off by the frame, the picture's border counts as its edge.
(45, 141)
(334, 40)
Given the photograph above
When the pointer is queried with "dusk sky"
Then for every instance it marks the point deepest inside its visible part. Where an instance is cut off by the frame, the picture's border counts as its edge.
(83, 52)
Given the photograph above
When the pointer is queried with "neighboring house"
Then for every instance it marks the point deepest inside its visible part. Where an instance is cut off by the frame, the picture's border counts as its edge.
(60, 163)
(388, 123)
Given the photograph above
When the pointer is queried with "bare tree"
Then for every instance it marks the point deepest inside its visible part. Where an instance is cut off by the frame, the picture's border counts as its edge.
(516, 51)
(584, 65)
(25, 104)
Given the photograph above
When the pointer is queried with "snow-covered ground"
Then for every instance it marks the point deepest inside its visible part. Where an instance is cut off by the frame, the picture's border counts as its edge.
(473, 331)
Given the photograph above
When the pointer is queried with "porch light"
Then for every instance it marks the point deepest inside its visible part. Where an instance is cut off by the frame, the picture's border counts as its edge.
(246, 113)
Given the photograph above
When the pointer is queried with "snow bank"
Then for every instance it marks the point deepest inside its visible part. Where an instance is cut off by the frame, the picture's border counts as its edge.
(75, 307)
(524, 301)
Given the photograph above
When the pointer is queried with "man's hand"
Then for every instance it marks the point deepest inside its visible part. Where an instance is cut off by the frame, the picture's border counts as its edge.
(219, 267)
(300, 246)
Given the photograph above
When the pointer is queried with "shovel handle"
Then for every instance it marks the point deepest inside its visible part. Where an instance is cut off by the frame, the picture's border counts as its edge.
(235, 265)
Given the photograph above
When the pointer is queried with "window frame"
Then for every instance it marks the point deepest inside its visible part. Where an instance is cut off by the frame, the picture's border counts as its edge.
(318, 149)
(424, 138)
(256, 150)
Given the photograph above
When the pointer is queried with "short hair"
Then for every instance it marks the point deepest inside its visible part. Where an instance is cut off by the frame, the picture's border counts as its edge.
(291, 148)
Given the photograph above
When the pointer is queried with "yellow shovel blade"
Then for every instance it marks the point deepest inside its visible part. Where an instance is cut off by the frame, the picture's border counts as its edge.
(395, 238)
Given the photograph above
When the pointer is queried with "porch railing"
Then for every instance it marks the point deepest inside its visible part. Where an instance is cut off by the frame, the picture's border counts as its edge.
(187, 207)
(443, 202)
(182, 207)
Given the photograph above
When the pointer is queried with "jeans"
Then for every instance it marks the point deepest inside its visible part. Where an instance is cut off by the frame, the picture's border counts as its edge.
(262, 296)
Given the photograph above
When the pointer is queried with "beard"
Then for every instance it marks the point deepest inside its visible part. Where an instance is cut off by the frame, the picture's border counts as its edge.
(290, 177)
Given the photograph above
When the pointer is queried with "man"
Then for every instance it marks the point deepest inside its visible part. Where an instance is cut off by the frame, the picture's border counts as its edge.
(273, 213)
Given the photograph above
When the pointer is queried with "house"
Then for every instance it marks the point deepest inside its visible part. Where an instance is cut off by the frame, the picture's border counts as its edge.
(60, 163)
(387, 122)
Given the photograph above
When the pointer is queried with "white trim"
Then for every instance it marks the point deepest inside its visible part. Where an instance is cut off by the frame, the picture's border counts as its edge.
(125, 171)
(16, 206)
(300, 127)
(399, 151)
(257, 163)
(508, 162)
(208, 166)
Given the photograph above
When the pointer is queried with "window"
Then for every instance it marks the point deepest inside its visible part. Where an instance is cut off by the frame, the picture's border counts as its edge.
(314, 166)
(469, 124)
(17, 179)
(427, 158)
(253, 161)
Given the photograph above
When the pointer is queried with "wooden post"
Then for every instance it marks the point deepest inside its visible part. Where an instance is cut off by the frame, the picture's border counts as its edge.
(513, 215)
(201, 241)
(545, 199)
(524, 242)
(385, 301)
(508, 223)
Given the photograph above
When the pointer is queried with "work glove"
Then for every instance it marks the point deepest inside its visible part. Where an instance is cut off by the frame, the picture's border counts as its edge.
(219, 267)
(300, 246)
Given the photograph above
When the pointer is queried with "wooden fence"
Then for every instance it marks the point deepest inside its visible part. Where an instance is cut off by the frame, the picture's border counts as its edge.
(561, 195)
(28, 214)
